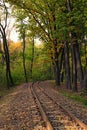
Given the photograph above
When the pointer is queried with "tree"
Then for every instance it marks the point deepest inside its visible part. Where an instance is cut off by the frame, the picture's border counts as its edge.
(23, 34)
(67, 65)
(59, 22)
(3, 25)
(74, 32)
(22, 29)
(44, 14)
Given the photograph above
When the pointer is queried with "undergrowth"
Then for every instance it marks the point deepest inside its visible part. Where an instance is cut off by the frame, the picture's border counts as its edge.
(76, 97)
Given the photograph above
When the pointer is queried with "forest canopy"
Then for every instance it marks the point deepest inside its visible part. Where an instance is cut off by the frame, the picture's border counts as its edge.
(61, 26)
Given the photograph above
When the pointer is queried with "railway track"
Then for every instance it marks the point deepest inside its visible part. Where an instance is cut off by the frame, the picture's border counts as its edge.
(75, 108)
(31, 108)
(55, 116)
(23, 112)
(37, 121)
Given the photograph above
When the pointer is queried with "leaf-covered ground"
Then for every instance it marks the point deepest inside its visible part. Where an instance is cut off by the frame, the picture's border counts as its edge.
(17, 113)
(71, 101)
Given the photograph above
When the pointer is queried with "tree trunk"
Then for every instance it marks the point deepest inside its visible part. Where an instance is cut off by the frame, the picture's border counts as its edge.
(67, 65)
(56, 66)
(24, 65)
(79, 66)
(7, 58)
(62, 66)
(32, 59)
(75, 51)
(74, 70)
(61, 60)
(57, 73)
(85, 56)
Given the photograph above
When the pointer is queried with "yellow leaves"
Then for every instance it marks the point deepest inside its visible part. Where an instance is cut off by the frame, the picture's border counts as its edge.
(54, 48)
(15, 46)
(59, 47)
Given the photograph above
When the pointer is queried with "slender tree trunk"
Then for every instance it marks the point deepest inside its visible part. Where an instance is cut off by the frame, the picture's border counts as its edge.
(62, 66)
(24, 64)
(50, 70)
(55, 43)
(0, 47)
(5, 45)
(61, 60)
(32, 59)
(7, 58)
(67, 66)
(74, 70)
(85, 56)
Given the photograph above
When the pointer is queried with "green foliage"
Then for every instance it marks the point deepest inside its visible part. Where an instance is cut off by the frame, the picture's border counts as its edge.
(75, 97)
(18, 74)
(52, 22)
(2, 76)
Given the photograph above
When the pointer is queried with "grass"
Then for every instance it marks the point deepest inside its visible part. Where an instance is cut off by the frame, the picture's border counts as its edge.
(76, 97)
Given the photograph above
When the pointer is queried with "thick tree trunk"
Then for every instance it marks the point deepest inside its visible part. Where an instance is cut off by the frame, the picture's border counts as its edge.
(79, 66)
(75, 51)
(67, 66)
(56, 66)
(57, 73)
(77, 58)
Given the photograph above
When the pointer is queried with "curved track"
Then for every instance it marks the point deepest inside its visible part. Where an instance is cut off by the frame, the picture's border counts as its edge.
(55, 116)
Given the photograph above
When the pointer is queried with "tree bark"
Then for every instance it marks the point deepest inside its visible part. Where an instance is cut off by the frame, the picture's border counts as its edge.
(79, 66)
(7, 58)
(56, 66)
(85, 48)
(32, 59)
(57, 73)
(75, 53)
(62, 66)
(24, 65)
(67, 65)
(74, 70)
(5, 45)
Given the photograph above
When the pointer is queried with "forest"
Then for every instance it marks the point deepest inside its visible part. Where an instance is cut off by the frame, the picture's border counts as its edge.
(52, 42)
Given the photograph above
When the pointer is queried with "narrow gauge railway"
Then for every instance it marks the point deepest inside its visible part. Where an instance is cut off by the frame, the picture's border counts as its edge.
(56, 115)
(37, 119)
(73, 107)
(23, 113)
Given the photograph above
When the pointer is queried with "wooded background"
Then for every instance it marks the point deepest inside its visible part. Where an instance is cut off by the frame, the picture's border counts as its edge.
(60, 26)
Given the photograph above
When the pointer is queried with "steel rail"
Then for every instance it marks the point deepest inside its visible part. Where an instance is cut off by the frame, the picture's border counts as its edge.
(48, 124)
(83, 125)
